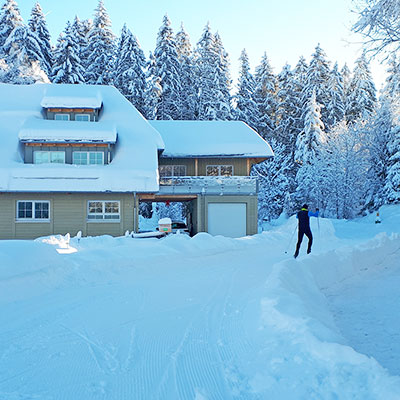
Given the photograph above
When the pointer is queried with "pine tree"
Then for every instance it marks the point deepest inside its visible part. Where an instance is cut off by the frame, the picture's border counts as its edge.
(378, 133)
(224, 111)
(67, 64)
(37, 25)
(246, 108)
(10, 18)
(101, 49)
(392, 186)
(130, 76)
(362, 92)
(24, 55)
(391, 90)
(80, 30)
(153, 89)
(318, 73)
(265, 98)
(209, 97)
(287, 109)
(273, 182)
(187, 96)
(335, 107)
(307, 152)
(346, 76)
(167, 69)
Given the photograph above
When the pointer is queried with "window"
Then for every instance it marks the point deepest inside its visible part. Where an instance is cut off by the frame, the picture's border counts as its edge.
(88, 157)
(46, 157)
(219, 170)
(82, 117)
(172, 170)
(103, 211)
(30, 210)
(61, 117)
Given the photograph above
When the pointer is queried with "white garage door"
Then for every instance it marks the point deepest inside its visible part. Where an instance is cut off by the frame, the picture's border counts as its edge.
(227, 219)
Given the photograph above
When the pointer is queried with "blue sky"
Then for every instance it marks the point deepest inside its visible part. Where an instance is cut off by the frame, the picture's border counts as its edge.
(285, 30)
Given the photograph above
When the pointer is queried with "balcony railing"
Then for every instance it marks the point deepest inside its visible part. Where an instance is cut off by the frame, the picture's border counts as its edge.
(209, 185)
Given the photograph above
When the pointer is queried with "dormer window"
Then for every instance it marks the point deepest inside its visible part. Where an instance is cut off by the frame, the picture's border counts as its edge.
(61, 117)
(49, 157)
(88, 157)
(82, 117)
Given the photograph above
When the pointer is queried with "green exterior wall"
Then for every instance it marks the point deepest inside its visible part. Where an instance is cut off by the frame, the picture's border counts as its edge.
(68, 214)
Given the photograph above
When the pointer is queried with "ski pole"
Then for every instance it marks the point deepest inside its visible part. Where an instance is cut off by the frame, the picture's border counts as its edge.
(291, 238)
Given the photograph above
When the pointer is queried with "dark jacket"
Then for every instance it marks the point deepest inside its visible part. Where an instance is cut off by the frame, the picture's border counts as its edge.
(304, 219)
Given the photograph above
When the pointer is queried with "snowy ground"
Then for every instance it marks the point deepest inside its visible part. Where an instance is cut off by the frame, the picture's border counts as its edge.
(204, 317)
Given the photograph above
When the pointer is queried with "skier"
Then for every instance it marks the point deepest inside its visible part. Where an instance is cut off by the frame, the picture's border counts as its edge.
(304, 228)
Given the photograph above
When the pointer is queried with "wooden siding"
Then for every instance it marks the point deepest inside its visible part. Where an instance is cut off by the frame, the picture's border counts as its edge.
(188, 162)
(197, 167)
(68, 214)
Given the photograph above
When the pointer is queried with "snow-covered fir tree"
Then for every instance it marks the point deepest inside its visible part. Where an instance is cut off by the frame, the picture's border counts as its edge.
(24, 55)
(130, 78)
(308, 147)
(153, 89)
(362, 93)
(346, 77)
(224, 112)
(391, 91)
(210, 99)
(335, 107)
(246, 108)
(80, 30)
(67, 64)
(378, 134)
(188, 95)
(101, 49)
(317, 80)
(287, 109)
(37, 24)
(265, 98)
(273, 182)
(10, 18)
(392, 185)
(167, 70)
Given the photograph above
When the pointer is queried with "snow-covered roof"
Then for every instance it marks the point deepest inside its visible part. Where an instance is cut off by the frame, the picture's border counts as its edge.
(81, 96)
(135, 164)
(42, 130)
(211, 139)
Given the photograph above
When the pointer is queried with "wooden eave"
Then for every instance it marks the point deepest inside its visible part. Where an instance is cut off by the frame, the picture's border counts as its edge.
(81, 110)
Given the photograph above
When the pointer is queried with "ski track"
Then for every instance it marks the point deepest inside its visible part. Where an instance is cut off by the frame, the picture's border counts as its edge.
(191, 337)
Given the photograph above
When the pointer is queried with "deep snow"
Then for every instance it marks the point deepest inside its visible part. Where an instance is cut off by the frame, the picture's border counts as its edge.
(204, 317)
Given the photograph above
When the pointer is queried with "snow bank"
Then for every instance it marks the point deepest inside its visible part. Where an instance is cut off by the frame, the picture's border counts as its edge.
(179, 317)
(314, 361)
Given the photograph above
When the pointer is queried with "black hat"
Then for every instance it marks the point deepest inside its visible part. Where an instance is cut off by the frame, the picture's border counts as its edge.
(305, 206)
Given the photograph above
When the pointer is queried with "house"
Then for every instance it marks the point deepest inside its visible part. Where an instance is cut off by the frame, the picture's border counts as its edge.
(81, 158)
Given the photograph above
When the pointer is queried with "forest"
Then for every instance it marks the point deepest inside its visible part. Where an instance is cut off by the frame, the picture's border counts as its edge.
(336, 139)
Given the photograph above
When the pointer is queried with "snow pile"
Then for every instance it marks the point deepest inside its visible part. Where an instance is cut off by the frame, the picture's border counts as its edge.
(203, 317)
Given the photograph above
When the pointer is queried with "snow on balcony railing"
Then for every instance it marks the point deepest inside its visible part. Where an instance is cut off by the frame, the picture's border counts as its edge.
(210, 185)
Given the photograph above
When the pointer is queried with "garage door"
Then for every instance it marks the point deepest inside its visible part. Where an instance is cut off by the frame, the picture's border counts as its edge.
(227, 219)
